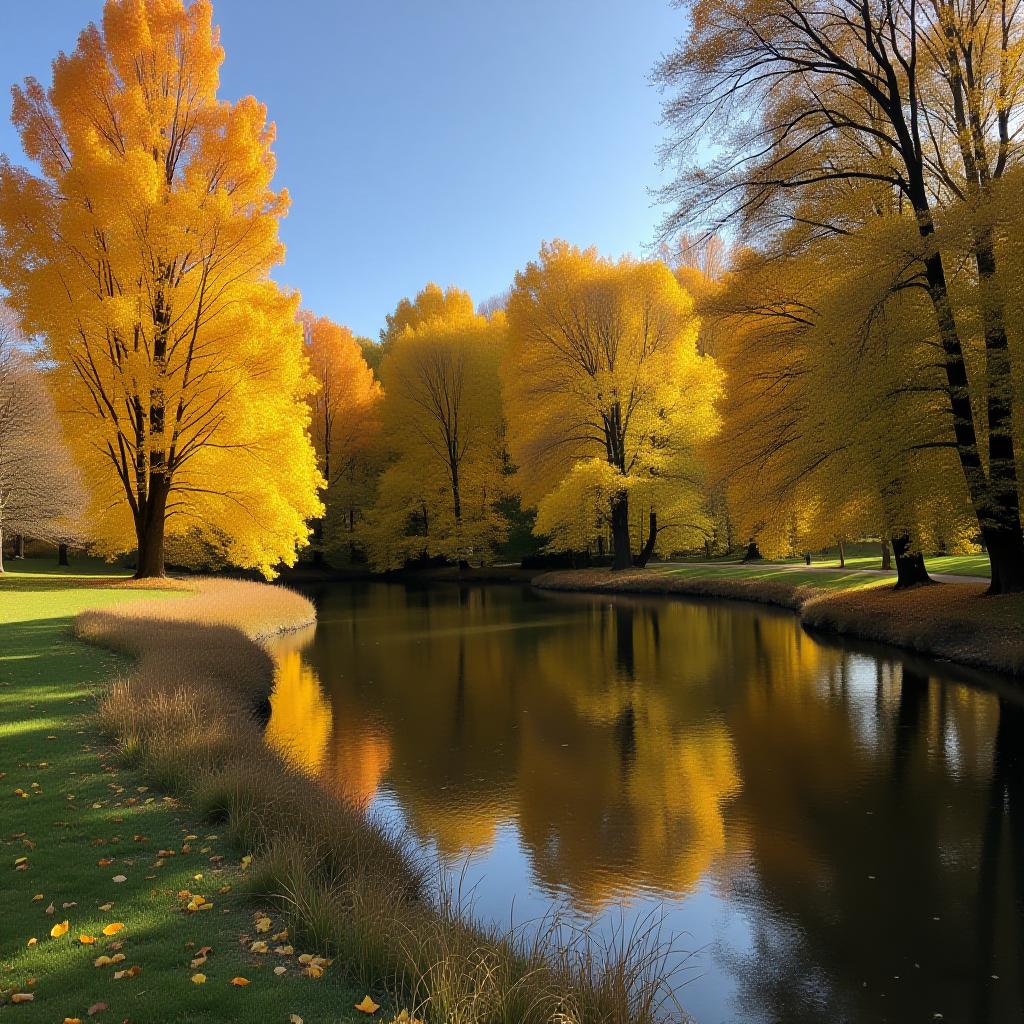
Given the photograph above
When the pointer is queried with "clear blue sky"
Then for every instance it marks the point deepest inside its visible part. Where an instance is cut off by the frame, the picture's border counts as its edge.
(426, 140)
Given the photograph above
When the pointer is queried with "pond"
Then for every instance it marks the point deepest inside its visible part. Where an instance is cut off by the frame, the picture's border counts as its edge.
(827, 834)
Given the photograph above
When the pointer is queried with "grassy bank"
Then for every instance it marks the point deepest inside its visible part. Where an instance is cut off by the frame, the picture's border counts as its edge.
(955, 621)
(184, 713)
(87, 820)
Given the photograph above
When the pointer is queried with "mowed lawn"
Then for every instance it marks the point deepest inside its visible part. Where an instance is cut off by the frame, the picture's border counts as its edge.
(82, 823)
(868, 556)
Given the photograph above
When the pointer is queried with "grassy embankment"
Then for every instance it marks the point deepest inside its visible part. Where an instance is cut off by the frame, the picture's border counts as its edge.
(955, 621)
(348, 890)
(87, 820)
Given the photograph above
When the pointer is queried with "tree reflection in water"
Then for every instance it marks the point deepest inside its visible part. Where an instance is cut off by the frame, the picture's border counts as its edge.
(860, 819)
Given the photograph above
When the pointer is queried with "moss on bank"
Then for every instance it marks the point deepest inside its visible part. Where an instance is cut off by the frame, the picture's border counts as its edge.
(954, 621)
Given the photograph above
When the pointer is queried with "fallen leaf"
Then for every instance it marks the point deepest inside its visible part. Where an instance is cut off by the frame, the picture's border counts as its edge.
(72, 1020)
(198, 962)
(258, 947)
(284, 950)
(280, 936)
(22, 997)
(96, 1008)
(119, 878)
(102, 961)
(263, 924)
(198, 979)
(239, 982)
(314, 972)
(113, 928)
(59, 929)
(367, 1005)
(38, 896)
(86, 940)
(32, 942)
(106, 907)
(294, 1018)
(280, 970)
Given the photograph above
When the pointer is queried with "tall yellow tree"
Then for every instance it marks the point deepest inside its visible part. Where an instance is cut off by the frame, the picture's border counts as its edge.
(141, 257)
(345, 425)
(607, 398)
(443, 424)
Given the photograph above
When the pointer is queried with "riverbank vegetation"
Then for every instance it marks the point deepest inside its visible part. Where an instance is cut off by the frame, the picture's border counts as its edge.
(185, 713)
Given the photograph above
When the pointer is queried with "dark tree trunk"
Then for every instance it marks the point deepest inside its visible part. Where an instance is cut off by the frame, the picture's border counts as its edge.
(886, 556)
(842, 555)
(1006, 558)
(19, 545)
(910, 567)
(652, 536)
(318, 542)
(149, 529)
(1, 549)
(62, 554)
(753, 552)
(622, 556)
(807, 558)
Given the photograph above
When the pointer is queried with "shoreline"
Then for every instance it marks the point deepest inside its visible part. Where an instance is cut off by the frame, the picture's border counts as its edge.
(184, 714)
(953, 622)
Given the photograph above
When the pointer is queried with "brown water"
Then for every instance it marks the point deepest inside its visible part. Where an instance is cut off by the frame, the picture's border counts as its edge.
(830, 834)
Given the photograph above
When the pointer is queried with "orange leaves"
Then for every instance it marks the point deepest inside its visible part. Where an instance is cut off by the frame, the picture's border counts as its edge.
(59, 930)
(367, 1005)
(22, 997)
(239, 982)
(87, 940)
(113, 928)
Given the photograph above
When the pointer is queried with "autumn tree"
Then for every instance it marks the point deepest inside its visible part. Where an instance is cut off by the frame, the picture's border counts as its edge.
(41, 492)
(607, 399)
(345, 423)
(443, 426)
(141, 257)
(918, 97)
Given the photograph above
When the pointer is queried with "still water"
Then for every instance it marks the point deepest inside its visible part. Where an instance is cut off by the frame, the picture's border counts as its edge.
(829, 834)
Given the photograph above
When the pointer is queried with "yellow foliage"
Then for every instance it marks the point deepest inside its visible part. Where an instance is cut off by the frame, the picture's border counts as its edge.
(607, 396)
(142, 257)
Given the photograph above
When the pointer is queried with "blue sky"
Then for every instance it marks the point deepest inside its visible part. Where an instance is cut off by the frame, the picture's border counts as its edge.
(425, 140)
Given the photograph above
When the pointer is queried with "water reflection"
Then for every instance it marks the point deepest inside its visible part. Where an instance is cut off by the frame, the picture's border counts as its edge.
(843, 834)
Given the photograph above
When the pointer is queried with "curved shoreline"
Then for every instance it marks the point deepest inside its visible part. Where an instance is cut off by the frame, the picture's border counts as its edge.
(352, 888)
(954, 622)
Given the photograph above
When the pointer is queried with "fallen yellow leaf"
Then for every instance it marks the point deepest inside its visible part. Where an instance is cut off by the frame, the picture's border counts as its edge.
(59, 929)
(314, 972)
(86, 940)
(113, 928)
(198, 979)
(294, 1018)
(72, 1020)
(239, 982)
(258, 947)
(263, 924)
(280, 970)
(22, 997)
(367, 1005)
(102, 961)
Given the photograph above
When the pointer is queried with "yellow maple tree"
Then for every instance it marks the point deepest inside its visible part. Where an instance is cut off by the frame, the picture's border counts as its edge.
(140, 255)
(607, 399)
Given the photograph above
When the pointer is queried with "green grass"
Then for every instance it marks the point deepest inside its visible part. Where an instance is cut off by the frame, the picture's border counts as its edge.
(868, 556)
(839, 579)
(82, 808)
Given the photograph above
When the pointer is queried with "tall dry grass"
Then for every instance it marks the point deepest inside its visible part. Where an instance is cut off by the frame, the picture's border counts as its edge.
(189, 714)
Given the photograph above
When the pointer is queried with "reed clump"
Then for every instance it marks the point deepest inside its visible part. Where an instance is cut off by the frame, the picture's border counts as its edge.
(188, 713)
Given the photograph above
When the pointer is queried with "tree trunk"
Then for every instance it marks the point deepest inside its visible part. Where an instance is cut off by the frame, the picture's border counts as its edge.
(622, 557)
(644, 556)
(149, 530)
(807, 558)
(1006, 558)
(2, 570)
(842, 555)
(62, 554)
(753, 553)
(910, 567)
(886, 556)
(19, 545)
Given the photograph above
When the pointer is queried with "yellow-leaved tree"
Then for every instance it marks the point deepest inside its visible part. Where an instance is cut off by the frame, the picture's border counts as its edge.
(345, 427)
(443, 426)
(607, 399)
(140, 256)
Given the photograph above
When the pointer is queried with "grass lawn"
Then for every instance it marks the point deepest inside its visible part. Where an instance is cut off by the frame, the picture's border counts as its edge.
(84, 822)
(840, 579)
(868, 556)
